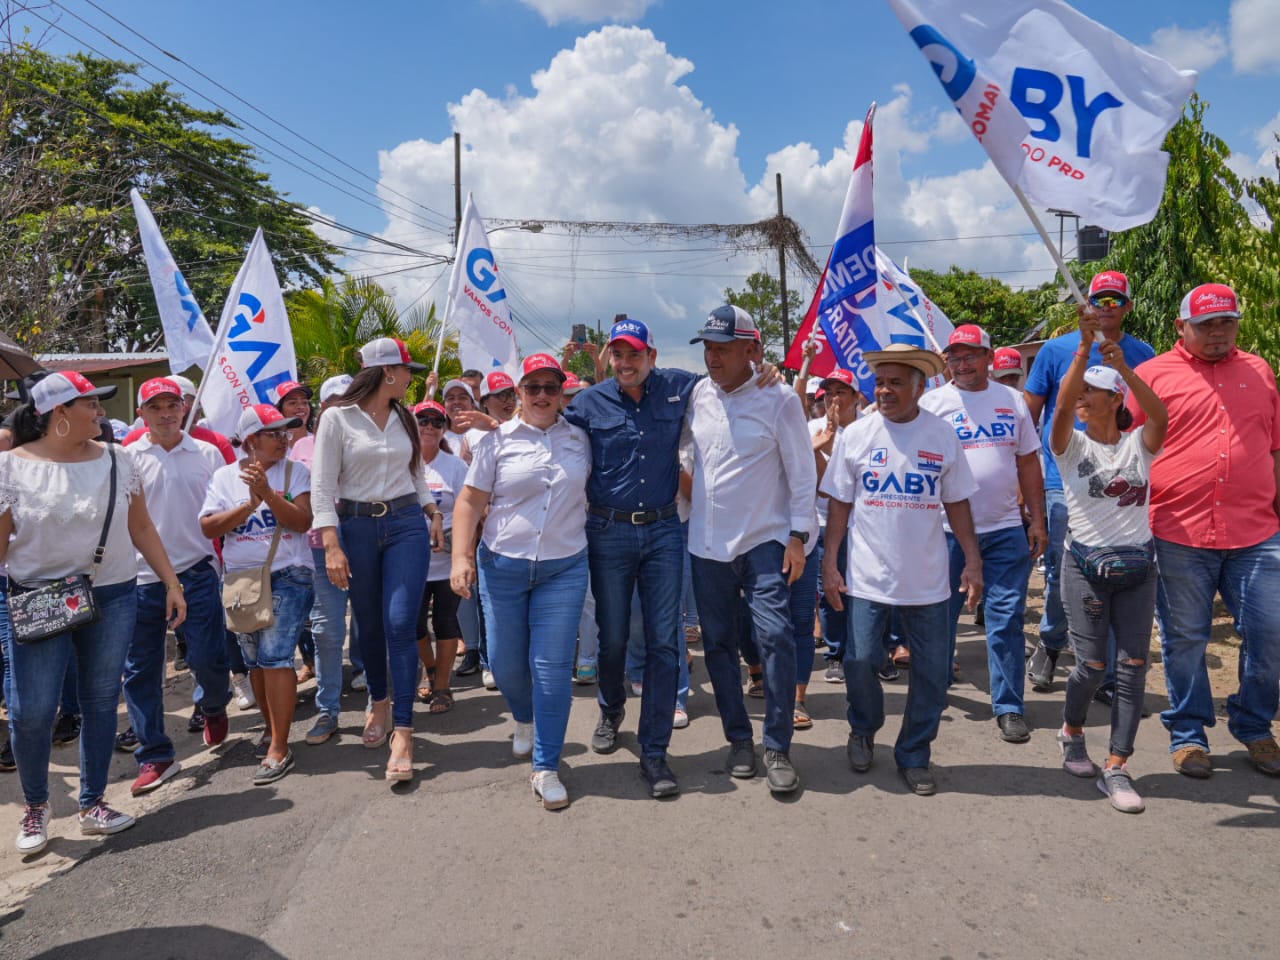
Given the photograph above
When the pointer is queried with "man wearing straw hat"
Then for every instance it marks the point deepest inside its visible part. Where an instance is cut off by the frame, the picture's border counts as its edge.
(899, 469)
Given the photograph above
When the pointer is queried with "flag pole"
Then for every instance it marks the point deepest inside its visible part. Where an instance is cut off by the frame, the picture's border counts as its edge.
(1053, 251)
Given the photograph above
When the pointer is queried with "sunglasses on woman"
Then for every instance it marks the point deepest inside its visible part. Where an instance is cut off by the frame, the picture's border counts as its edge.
(1109, 300)
(431, 422)
(547, 389)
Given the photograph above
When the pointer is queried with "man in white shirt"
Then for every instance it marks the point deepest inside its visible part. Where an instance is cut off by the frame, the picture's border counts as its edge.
(754, 483)
(175, 470)
(892, 475)
(1001, 446)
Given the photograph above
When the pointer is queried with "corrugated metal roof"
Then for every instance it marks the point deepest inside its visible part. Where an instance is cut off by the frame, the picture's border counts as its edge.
(92, 362)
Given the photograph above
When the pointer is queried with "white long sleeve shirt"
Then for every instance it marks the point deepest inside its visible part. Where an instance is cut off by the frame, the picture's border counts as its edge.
(754, 478)
(355, 460)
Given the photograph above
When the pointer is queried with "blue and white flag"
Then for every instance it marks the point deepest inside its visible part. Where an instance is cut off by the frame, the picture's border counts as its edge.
(477, 304)
(187, 336)
(253, 348)
(909, 315)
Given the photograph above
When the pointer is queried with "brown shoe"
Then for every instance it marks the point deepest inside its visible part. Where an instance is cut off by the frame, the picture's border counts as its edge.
(1193, 762)
(1265, 755)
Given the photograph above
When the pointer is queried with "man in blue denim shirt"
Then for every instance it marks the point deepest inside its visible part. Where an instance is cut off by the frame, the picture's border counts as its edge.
(634, 536)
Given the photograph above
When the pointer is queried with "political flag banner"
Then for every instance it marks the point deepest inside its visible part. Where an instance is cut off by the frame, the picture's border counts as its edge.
(477, 303)
(1070, 112)
(906, 306)
(187, 336)
(253, 347)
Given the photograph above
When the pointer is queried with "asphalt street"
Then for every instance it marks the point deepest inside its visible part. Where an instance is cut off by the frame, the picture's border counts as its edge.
(1012, 858)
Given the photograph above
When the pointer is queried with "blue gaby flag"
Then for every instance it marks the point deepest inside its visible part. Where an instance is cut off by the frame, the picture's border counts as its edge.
(187, 336)
(847, 311)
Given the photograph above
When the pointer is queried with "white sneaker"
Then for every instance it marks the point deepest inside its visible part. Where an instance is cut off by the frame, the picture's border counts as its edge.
(359, 682)
(680, 720)
(489, 682)
(522, 742)
(101, 820)
(243, 689)
(33, 832)
(548, 788)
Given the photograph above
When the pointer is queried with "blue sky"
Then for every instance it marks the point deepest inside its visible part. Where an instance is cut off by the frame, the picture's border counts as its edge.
(736, 90)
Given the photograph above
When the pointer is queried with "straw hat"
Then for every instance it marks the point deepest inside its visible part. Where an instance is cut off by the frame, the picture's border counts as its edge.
(926, 361)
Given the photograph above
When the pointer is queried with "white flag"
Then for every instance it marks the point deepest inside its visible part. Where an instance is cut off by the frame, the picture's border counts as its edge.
(909, 306)
(254, 345)
(477, 303)
(1069, 111)
(187, 336)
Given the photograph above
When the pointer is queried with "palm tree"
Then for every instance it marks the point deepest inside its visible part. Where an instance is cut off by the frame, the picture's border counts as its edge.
(332, 322)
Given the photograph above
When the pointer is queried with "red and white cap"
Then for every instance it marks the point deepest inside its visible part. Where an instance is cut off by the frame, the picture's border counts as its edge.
(1110, 281)
(291, 386)
(64, 387)
(430, 406)
(188, 388)
(541, 361)
(1209, 300)
(840, 374)
(263, 416)
(496, 382)
(1007, 360)
(572, 384)
(388, 352)
(159, 387)
(968, 335)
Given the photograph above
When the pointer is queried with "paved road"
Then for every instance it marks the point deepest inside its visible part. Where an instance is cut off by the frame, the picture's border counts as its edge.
(1013, 858)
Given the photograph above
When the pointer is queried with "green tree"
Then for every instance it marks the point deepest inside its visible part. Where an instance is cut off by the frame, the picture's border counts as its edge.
(966, 296)
(331, 322)
(75, 134)
(762, 298)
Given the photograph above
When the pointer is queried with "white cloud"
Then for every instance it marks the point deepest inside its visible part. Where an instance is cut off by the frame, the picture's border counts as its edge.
(328, 233)
(1189, 49)
(590, 11)
(611, 133)
(1255, 24)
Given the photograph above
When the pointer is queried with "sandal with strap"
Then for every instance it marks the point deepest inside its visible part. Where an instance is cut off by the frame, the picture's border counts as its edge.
(800, 717)
(755, 686)
(441, 701)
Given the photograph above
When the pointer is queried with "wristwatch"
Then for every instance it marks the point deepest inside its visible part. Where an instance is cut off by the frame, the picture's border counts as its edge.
(801, 535)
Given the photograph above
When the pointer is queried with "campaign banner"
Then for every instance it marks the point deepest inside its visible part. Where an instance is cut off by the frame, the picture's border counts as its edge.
(253, 347)
(1069, 111)
(187, 336)
(477, 302)
(906, 306)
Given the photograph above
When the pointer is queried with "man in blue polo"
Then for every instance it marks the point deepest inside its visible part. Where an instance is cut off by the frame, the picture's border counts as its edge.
(634, 536)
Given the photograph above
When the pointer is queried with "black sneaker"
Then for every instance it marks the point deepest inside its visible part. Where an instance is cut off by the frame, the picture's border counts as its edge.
(662, 782)
(889, 672)
(127, 742)
(196, 723)
(742, 759)
(859, 750)
(1040, 668)
(1013, 728)
(605, 738)
(468, 665)
(780, 773)
(67, 730)
(7, 761)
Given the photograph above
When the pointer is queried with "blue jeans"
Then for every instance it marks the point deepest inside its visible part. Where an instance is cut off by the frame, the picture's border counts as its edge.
(292, 596)
(588, 632)
(534, 608)
(34, 682)
(758, 574)
(625, 557)
(1053, 622)
(1006, 567)
(835, 623)
(924, 629)
(205, 632)
(803, 605)
(388, 557)
(1249, 581)
(329, 631)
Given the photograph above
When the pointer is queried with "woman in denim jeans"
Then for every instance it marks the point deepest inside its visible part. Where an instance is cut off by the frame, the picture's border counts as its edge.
(531, 474)
(368, 478)
(1105, 476)
(247, 503)
(53, 504)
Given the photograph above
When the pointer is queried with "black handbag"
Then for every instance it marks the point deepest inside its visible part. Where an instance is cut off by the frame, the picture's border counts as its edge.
(39, 611)
(1116, 568)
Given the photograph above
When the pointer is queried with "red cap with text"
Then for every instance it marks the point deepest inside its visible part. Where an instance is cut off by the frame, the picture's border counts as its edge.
(430, 406)
(1209, 300)
(388, 352)
(541, 361)
(158, 387)
(496, 382)
(288, 387)
(1110, 281)
(1007, 360)
(263, 416)
(63, 388)
(969, 335)
(572, 384)
(844, 376)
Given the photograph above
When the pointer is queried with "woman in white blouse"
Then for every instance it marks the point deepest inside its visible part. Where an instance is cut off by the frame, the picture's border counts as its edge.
(369, 496)
(54, 495)
(531, 474)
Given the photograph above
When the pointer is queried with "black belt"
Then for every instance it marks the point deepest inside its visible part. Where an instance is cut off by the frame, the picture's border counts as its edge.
(635, 517)
(375, 508)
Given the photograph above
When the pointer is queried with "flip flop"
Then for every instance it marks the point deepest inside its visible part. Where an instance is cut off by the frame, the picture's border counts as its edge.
(800, 717)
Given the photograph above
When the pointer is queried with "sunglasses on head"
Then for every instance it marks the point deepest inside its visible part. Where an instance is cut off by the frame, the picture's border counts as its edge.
(436, 422)
(548, 389)
(1108, 300)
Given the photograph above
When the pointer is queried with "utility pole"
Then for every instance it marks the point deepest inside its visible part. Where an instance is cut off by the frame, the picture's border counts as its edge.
(782, 272)
(457, 187)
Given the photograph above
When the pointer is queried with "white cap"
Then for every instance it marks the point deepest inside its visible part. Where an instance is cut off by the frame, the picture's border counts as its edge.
(388, 352)
(1105, 378)
(334, 386)
(457, 384)
(188, 388)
